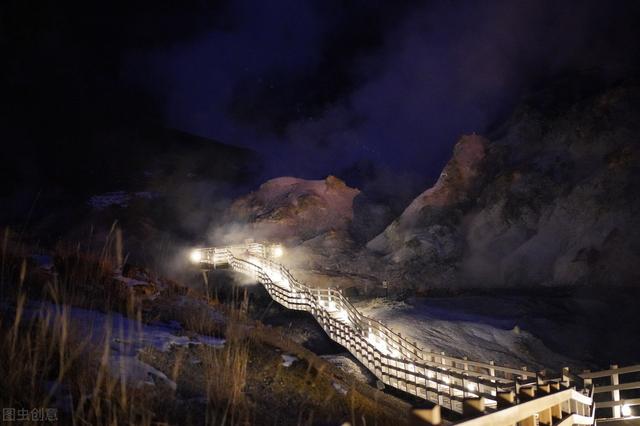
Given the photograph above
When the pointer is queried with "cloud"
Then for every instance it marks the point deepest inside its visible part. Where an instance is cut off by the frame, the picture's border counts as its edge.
(454, 68)
(438, 70)
(200, 79)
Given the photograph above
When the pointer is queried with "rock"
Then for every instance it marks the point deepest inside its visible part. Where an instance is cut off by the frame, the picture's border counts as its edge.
(435, 206)
(425, 240)
(456, 181)
(547, 203)
(288, 207)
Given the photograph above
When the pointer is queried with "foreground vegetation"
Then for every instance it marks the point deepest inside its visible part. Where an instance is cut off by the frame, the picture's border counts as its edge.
(49, 360)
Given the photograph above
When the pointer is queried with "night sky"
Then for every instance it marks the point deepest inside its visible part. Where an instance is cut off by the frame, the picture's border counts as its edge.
(362, 89)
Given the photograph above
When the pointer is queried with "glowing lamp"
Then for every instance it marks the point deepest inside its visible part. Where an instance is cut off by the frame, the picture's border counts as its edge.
(278, 251)
(195, 256)
(626, 410)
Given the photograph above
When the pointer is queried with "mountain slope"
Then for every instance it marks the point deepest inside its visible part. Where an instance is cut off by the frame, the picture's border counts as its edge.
(552, 201)
(288, 207)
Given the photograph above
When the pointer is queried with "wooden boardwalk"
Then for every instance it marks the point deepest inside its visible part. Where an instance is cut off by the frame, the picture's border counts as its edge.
(485, 393)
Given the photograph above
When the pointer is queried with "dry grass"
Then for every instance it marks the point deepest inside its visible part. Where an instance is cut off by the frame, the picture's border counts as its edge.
(44, 364)
(225, 377)
(361, 406)
(47, 362)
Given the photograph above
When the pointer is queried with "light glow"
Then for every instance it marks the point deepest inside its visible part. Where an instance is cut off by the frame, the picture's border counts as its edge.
(626, 410)
(195, 256)
(378, 343)
(274, 273)
(342, 315)
(382, 346)
(278, 251)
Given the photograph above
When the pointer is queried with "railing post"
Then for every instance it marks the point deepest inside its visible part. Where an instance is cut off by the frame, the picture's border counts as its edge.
(205, 278)
(426, 416)
(545, 415)
(527, 394)
(556, 410)
(566, 380)
(573, 406)
(505, 399)
(473, 407)
(615, 394)
(587, 382)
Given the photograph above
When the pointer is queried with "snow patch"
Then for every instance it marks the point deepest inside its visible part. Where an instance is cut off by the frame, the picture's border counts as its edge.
(288, 360)
(464, 330)
(126, 338)
(43, 261)
(209, 341)
(130, 369)
(131, 282)
(340, 388)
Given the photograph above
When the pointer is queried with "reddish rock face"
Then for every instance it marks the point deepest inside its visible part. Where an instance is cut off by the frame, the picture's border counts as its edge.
(455, 181)
(543, 205)
(290, 207)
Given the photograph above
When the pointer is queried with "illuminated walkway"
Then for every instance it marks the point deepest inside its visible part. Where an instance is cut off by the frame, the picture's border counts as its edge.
(457, 384)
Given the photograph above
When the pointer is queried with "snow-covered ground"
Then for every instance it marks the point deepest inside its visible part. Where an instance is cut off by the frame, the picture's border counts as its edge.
(124, 338)
(481, 328)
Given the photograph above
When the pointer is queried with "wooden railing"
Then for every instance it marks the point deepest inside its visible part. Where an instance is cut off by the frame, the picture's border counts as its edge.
(555, 403)
(610, 387)
(484, 393)
(545, 404)
(392, 358)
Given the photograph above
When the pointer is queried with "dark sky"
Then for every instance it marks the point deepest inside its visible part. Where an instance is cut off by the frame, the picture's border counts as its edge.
(316, 86)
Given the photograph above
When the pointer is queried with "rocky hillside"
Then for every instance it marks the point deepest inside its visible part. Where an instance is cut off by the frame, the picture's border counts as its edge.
(163, 187)
(551, 200)
(291, 208)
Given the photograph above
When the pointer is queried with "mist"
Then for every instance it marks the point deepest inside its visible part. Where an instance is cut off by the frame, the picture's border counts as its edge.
(399, 104)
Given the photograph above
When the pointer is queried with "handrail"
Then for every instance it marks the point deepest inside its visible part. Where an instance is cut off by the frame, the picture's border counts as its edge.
(406, 343)
(612, 404)
(610, 372)
(450, 382)
(620, 386)
(525, 410)
(392, 358)
(615, 404)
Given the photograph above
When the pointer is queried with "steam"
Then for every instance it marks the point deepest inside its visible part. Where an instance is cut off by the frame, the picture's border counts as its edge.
(439, 72)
